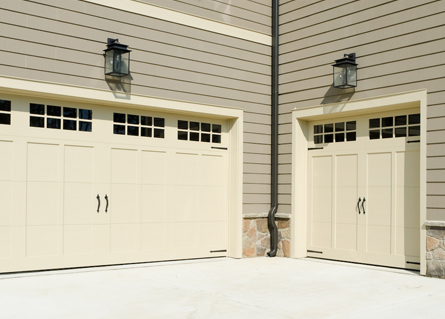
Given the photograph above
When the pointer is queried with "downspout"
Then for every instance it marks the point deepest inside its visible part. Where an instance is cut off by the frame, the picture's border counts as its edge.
(273, 229)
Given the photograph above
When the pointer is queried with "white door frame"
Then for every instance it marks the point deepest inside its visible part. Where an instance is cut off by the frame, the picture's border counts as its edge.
(300, 135)
(14, 86)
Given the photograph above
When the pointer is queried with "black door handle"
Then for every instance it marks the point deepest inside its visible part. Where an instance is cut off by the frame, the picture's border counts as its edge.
(363, 205)
(98, 202)
(106, 207)
(358, 204)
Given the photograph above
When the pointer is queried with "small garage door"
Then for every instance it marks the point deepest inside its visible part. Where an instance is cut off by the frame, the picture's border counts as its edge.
(85, 185)
(364, 190)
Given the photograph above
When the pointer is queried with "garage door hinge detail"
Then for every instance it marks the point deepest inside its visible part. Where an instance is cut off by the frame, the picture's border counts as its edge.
(315, 251)
(314, 148)
(218, 251)
(219, 148)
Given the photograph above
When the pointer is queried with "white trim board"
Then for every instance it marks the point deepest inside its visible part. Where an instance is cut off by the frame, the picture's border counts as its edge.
(300, 120)
(149, 10)
(96, 96)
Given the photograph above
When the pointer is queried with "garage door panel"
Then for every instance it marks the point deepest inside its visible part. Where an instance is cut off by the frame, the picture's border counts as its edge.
(78, 164)
(187, 169)
(6, 160)
(407, 172)
(101, 239)
(211, 235)
(212, 170)
(321, 234)
(124, 166)
(78, 204)
(153, 236)
(346, 170)
(346, 205)
(123, 200)
(322, 209)
(185, 235)
(153, 167)
(42, 240)
(153, 203)
(346, 236)
(380, 170)
(378, 207)
(124, 237)
(212, 204)
(5, 203)
(187, 203)
(43, 162)
(408, 206)
(43, 203)
(322, 171)
(378, 239)
(78, 239)
(6, 241)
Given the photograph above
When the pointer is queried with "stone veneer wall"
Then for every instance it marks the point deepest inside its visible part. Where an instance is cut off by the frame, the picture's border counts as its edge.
(256, 237)
(435, 252)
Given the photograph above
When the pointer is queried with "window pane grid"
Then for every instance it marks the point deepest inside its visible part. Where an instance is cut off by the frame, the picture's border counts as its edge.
(197, 131)
(58, 117)
(138, 125)
(394, 127)
(5, 112)
(335, 132)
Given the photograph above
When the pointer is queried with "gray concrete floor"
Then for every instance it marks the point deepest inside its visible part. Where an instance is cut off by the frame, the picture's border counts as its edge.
(223, 288)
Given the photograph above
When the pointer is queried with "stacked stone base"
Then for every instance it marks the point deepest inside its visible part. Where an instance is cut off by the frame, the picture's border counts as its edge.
(256, 237)
(435, 252)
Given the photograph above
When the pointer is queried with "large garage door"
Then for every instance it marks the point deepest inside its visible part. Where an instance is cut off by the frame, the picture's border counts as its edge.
(85, 185)
(364, 189)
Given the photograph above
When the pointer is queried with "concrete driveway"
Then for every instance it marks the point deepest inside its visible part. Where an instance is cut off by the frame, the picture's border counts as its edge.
(223, 288)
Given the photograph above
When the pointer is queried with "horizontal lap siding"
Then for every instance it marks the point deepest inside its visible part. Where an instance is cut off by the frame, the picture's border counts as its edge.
(399, 46)
(247, 14)
(63, 42)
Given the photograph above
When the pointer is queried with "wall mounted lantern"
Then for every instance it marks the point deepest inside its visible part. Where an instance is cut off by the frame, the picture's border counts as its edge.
(117, 58)
(345, 72)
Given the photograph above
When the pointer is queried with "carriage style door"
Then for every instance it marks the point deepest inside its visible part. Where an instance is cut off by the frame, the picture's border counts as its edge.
(363, 189)
(85, 185)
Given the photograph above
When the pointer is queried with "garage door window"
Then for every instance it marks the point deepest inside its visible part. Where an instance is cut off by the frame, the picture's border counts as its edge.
(58, 117)
(335, 132)
(394, 126)
(5, 112)
(138, 125)
(196, 131)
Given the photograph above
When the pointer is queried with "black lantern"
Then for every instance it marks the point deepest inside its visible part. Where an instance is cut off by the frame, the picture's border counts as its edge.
(345, 72)
(117, 58)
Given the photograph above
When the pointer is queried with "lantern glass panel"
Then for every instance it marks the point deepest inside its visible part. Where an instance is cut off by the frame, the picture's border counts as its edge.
(340, 75)
(351, 75)
(117, 62)
(109, 62)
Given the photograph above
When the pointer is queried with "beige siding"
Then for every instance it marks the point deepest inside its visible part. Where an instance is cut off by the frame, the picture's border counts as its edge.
(63, 42)
(247, 14)
(399, 46)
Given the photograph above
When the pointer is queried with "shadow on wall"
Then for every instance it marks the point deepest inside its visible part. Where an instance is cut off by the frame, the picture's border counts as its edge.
(120, 86)
(334, 95)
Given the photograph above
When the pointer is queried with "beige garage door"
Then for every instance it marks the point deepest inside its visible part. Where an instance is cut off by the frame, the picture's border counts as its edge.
(363, 176)
(86, 185)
